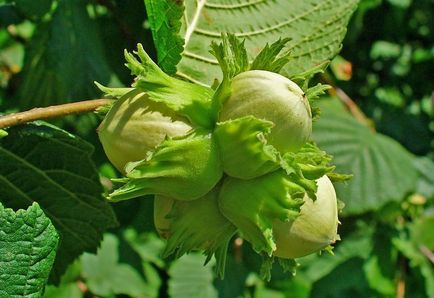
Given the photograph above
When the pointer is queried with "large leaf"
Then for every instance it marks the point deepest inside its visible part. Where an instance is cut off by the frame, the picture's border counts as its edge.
(63, 59)
(383, 169)
(354, 285)
(164, 19)
(68, 286)
(316, 29)
(32, 9)
(425, 166)
(356, 245)
(45, 164)
(70, 290)
(28, 243)
(105, 276)
(190, 278)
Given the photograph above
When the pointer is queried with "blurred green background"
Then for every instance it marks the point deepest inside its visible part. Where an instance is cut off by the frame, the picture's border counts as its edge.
(51, 52)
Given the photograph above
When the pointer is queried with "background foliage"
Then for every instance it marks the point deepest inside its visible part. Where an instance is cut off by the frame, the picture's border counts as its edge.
(52, 51)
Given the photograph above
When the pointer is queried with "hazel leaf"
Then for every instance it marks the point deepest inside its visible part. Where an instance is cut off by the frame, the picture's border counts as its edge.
(183, 168)
(245, 153)
(164, 21)
(303, 79)
(28, 243)
(316, 29)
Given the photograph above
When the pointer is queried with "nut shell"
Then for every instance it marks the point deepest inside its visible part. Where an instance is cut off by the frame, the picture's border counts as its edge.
(270, 96)
(315, 228)
(134, 126)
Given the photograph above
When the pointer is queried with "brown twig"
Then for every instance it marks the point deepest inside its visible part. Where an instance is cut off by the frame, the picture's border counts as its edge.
(52, 112)
(238, 249)
(350, 104)
(400, 286)
(427, 253)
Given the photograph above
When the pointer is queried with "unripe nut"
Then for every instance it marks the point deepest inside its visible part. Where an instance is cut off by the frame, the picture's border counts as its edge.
(134, 126)
(314, 229)
(273, 97)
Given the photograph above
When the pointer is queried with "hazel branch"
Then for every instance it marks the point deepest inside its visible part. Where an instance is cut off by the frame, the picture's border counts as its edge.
(427, 253)
(351, 106)
(52, 112)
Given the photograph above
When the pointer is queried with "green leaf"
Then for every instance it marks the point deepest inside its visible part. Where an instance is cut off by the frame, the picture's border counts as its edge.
(189, 278)
(28, 246)
(425, 167)
(154, 280)
(382, 265)
(421, 231)
(400, 3)
(377, 279)
(356, 245)
(33, 9)
(9, 15)
(244, 150)
(263, 292)
(147, 245)
(316, 29)
(164, 20)
(104, 274)
(70, 290)
(354, 285)
(296, 285)
(68, 287)
(42, 163)
(384, 49)
(383, 170)
(183, 168)
(63, 58)
(233, 285)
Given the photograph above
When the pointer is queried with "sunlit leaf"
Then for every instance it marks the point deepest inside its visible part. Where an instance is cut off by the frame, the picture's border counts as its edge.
(383, 170)
(316, 29)
(104, 274)
(190, 278)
